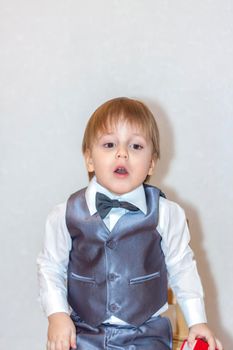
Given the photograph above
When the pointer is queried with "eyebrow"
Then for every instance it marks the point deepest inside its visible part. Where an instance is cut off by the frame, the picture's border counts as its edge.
(112, 133)
(136, 134)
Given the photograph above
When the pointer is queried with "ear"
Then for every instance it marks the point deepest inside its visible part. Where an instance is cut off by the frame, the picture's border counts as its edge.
(89, 161)
(152, 166)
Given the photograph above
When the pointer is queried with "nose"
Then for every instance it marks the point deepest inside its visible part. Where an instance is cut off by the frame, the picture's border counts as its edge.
(122, 153)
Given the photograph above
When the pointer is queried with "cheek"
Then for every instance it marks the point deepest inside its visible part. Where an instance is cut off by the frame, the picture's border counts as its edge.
(100, 163)
(147, 166)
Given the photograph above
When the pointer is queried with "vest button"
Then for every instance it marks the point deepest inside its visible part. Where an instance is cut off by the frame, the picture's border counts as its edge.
(113, 307)
(111, 244)
(112, 277)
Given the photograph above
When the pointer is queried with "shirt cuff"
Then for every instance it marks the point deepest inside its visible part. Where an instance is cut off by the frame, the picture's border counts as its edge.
(193, 311)
(54, 302)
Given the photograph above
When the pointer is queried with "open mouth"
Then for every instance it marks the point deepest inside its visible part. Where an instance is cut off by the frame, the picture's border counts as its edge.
(121, 171)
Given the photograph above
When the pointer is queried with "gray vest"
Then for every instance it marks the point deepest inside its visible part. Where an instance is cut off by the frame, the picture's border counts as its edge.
(120, 273)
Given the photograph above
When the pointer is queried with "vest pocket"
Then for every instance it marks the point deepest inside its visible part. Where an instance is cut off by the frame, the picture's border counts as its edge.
(82, 278)
(144, 278)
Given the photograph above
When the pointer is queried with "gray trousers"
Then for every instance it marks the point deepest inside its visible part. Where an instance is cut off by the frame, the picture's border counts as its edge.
(154, 334)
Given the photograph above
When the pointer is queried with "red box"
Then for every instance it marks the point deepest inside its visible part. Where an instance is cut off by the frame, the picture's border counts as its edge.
(199, 344)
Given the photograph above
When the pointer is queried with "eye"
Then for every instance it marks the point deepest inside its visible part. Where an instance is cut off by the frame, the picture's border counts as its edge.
(109, 145)
(136, 146)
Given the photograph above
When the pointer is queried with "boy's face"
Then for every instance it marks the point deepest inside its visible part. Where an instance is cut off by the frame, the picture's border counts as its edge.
(121, 158)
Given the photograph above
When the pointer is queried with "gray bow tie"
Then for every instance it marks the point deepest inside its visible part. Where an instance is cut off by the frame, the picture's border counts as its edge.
(104, 204)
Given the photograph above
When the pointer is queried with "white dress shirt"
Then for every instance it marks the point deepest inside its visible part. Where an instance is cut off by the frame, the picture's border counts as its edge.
(182, 272)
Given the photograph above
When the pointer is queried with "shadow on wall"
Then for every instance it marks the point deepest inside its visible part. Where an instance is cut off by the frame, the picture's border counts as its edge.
(167, 143)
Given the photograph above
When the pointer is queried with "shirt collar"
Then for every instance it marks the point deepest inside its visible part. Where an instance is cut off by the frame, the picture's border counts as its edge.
(136, 197)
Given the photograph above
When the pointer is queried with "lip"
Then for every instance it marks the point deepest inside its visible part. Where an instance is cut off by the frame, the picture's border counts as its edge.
(122, 174)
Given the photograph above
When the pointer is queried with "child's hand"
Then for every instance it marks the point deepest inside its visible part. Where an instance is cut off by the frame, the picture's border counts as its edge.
(201, 330)
(61, 332)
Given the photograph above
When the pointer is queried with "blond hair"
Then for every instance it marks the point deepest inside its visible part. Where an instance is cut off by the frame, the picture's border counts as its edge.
(111, 112)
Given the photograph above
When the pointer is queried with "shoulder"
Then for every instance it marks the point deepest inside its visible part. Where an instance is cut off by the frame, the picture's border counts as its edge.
(153, 190)
(172, 218)
(57, 214)
(76, 197)
(78, 193)
(170, 207)
(167, 208)
(56, 234)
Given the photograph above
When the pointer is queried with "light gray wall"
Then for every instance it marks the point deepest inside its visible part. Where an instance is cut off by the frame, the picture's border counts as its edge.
(59, 60)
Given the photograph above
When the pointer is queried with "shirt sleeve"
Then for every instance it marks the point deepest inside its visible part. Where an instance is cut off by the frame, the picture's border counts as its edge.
(52, 263)
(183, 276)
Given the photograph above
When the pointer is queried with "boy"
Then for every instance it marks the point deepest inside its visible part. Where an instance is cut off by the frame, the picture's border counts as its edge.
(115, 243)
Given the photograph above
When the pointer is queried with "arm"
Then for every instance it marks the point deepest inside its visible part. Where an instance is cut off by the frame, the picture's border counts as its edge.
(52, 274)
(182, 271)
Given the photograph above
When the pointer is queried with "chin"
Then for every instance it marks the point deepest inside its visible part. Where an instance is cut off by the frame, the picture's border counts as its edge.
(121, 189)
(116, 191)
